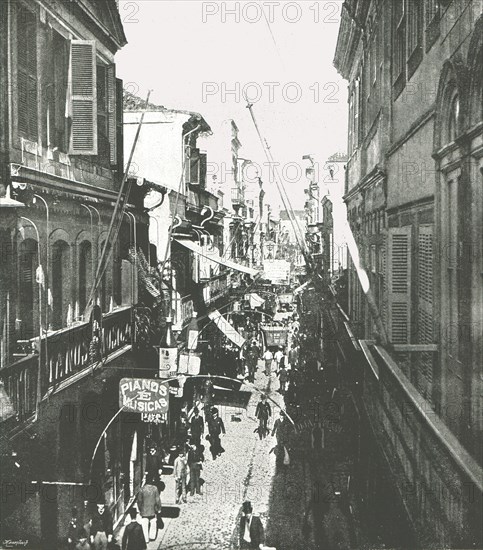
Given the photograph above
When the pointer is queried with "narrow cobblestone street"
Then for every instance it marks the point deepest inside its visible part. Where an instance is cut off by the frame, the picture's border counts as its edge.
(246, 471)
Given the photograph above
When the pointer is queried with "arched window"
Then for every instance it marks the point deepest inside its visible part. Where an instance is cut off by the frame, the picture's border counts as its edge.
(85, 273)
(105, 286)
(27, 290)
(61, 277)
(453, 115)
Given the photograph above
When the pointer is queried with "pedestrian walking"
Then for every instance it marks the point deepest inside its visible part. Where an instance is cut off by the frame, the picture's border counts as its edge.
(263, 413)
(216, 427)
(195, 463)
(268, 357)
(252, 362)
(283, 377)
(181, 470)
(154, 465)
(82, 539)
(252, 533)
(101, 528)
(133, 537)
(149, 505)
(197, 427)
(293, 357)
(278, 356)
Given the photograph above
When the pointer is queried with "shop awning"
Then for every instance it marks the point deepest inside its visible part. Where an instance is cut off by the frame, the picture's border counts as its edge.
(255, 300)
(214, 257)
(226, 328)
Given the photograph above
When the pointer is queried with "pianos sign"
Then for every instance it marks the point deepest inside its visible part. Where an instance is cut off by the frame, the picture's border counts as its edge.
(143, 395)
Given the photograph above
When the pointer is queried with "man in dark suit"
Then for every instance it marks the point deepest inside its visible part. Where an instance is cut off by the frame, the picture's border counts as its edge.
(252, 534)
(133, 537)
(197, 427)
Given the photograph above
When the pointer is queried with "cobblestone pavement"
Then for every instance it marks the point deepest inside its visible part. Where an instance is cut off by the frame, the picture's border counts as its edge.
(246, 471)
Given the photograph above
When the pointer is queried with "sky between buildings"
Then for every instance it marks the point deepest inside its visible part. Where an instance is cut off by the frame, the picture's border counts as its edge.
(192, 54)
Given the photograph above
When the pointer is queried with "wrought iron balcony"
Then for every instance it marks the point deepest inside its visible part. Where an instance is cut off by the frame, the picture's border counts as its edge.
(64, 354)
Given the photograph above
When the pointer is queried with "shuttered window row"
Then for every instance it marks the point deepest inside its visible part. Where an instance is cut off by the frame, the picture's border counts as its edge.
(82, 102)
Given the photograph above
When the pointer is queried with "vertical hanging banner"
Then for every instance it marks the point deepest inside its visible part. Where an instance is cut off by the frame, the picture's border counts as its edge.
(226, 328)
(168, 362)
(189, 363)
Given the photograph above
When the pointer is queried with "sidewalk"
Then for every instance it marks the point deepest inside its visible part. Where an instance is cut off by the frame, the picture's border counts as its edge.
(246, 471)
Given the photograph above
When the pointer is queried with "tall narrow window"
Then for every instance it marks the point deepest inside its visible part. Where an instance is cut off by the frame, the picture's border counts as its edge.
(415, 35)
(357, 88)
(103, 151)
(106, 280)
(27, 291)
(453, 115)
(27, 92)
(431, 19)
(452, 272)
(399, 46)
(61, 277)
(85, 273)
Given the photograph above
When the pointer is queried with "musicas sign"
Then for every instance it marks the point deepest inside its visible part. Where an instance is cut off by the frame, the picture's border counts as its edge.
(143, 395)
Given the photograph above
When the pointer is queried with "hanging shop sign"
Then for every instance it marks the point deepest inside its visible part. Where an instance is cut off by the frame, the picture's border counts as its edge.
(168, 361)
(189, 363)
(143, 395)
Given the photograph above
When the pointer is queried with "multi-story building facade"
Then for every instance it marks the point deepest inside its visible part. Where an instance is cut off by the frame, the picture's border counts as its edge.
(67, 280)
(414, 199)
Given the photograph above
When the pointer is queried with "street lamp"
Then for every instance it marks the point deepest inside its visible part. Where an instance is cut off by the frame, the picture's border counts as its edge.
(46, 253)
(39, 371)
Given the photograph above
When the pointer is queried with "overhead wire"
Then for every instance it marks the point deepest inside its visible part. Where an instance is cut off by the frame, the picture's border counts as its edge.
(119, 209)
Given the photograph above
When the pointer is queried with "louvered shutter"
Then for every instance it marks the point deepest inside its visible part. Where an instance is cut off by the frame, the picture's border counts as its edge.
(111, 112)
(119, 127)
(27, 93)
(83, 99)
(399, 271)
(425, 309)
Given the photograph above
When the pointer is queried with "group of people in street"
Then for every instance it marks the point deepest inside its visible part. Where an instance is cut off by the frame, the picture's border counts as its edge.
(92, 533)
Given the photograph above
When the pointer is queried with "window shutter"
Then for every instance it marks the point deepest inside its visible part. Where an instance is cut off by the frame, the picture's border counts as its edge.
(425, 308)
(83, 98)
(399, 271)
(27, 109)
(111, 112)
(119, 127)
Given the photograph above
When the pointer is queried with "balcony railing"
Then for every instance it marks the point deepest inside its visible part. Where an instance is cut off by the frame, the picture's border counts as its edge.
(439, 482)
(64, 354)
